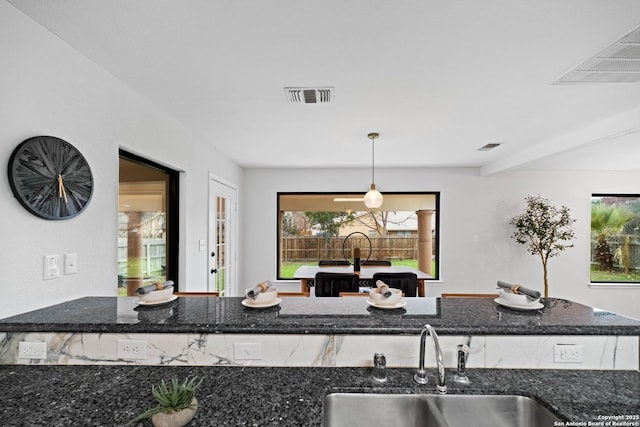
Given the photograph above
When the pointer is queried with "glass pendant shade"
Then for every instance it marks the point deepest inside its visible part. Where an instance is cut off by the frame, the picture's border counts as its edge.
(373, 198)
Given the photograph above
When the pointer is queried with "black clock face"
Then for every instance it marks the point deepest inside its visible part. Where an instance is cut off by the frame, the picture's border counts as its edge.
(50, 177)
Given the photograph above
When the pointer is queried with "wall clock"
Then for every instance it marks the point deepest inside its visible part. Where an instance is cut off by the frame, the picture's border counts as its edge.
(50, 178)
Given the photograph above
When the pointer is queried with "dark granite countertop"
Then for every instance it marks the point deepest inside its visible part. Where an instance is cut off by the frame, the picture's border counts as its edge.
(89, 396)
(451, 316)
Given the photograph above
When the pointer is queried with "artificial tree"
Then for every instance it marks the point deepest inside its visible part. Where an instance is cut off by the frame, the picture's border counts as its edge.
(543, 228)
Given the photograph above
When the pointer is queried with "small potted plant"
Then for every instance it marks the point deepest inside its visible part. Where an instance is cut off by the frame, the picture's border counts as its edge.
(177, 404)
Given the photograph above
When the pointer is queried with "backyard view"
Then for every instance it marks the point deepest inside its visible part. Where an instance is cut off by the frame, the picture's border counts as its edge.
(143, 252)
(315, 227)
(615, 238)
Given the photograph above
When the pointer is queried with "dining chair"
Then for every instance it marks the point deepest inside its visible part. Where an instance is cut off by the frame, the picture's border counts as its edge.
(377, 262)
(334, 262)
(407, 282)
(449, 295)
(331, 284)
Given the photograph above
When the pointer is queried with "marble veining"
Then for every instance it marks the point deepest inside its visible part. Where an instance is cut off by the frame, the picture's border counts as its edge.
(175, 349)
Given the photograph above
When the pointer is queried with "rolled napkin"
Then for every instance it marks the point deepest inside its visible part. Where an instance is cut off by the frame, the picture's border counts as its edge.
(154, 287)
(517, 289)
(260, 287)
(383, 288)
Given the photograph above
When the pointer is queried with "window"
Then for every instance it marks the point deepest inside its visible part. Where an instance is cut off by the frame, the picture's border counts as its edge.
(147, 223)
(328, 226)
(615, 238)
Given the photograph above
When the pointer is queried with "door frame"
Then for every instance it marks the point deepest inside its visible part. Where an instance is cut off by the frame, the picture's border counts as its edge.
(214, 184)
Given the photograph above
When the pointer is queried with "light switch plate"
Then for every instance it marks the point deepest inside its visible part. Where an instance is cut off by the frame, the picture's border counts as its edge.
(70, 263)
(51, 267)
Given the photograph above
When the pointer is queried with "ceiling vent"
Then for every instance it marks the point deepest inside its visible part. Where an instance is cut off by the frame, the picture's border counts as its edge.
(618, 63)
(490, 146)
(308, 95)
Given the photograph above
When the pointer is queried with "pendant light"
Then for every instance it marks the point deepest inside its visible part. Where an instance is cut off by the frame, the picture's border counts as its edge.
(373, 198)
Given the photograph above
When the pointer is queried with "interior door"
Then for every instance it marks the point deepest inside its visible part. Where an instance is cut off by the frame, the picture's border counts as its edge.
(222, 238)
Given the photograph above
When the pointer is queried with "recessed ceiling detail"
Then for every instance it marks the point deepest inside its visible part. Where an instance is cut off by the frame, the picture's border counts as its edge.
(618, 63)
(308, 95)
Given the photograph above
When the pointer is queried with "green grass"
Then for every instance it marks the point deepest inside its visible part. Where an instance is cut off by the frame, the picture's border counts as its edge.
(614, 276)
(290, 267)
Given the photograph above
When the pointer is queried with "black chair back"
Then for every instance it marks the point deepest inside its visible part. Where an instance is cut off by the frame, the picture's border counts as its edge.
(331, 284)
(407, 282)
(328, 262)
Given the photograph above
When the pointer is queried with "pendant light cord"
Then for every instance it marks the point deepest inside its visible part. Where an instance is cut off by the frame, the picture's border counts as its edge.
(373, 161)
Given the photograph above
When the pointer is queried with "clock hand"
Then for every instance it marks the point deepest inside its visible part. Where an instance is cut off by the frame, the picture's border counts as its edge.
(61, 192)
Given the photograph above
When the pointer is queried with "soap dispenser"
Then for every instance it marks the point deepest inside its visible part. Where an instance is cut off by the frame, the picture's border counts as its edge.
(379, 368)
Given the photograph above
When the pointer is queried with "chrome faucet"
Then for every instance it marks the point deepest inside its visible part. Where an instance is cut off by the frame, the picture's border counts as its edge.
(421, 374)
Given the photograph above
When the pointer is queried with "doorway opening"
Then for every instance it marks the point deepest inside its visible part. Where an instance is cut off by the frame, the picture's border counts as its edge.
(147, 223)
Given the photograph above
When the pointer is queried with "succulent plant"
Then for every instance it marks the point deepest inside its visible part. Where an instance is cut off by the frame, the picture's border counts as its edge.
(171, 397)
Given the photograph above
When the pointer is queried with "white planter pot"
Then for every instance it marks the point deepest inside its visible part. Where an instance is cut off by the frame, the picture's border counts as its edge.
(176, 419)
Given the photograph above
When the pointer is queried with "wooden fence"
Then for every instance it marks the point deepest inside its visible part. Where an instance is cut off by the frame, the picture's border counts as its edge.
(314, 248)
(154, 258)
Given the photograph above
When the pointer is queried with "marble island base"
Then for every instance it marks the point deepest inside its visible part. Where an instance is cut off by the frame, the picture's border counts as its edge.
(295, 350)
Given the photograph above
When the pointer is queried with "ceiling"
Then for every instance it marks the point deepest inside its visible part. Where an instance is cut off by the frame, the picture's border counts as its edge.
(438, 79)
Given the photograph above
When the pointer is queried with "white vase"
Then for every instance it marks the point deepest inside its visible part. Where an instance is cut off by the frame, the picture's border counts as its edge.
(175, 419)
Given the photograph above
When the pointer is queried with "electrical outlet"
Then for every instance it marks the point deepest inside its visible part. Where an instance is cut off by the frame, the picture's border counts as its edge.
(132, 349)
(32, 350)
(247, 351)
(568, 353)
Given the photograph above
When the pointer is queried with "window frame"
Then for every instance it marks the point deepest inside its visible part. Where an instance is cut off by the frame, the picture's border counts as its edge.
(593, 260)
(436, 219)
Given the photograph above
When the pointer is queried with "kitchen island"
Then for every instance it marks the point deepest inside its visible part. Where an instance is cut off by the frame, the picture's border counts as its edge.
(95, 388)
(319, 332)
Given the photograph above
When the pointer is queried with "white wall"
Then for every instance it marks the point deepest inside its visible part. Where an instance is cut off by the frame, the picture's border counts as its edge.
(476, 249)
(47, 88)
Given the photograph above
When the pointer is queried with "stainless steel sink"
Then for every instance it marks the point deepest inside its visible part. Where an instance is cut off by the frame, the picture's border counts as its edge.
(408, 410)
